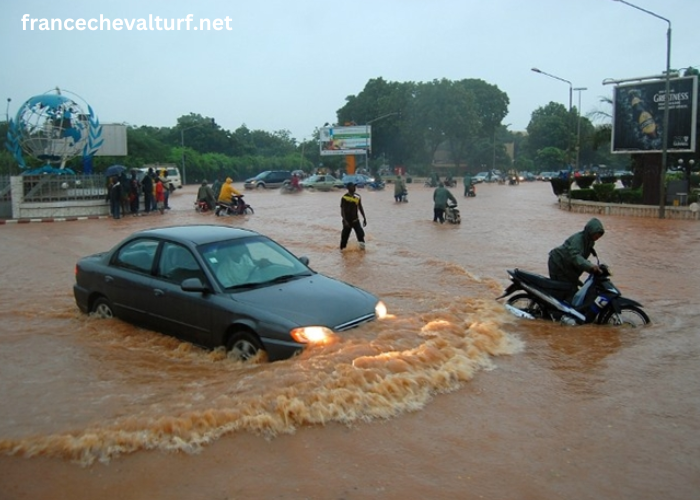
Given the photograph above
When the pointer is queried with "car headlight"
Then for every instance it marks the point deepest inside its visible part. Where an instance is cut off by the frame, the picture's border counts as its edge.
(380, 310)
(312, 334)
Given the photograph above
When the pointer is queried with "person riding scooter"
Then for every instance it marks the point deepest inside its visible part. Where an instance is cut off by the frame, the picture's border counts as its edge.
(229, 195)
(206, 195)
(570, 259)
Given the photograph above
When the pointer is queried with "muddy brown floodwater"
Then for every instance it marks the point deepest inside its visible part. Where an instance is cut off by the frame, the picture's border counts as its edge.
(450, 397)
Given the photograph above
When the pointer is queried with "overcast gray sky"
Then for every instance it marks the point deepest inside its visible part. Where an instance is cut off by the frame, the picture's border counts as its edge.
(289, 64)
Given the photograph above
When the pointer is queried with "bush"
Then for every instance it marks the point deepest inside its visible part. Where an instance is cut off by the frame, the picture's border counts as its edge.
(583, 194)
(604, 192)
(409, 180)
(629, 196)
(608, 179)
(585, 181)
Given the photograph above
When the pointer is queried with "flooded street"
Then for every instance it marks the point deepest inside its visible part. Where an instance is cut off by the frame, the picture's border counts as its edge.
(450, 397)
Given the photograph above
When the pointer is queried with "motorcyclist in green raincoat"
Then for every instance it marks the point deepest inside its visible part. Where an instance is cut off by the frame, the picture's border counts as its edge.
(441, 195)
(569, 260)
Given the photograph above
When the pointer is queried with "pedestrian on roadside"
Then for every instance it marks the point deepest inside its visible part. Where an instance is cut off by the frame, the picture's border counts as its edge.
(440, 197)
(154, 202)
(160, 195)
(350, 208)
(167, 188)
(134, 195)
(399, 189)
(467, 180)
(115, 198)
(147, 187)
(124, 188)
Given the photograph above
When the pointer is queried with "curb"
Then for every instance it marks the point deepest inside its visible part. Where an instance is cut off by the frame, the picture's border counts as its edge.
(51, 219)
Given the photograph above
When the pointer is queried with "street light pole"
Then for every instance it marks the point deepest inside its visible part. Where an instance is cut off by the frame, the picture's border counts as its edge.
(571, 88)
(578, 126)
(578, 136)
(571, 91)
(182, 154)
(664, 134)
(369, 142)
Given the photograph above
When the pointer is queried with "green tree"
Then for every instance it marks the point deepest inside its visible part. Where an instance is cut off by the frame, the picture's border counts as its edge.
(551, 158)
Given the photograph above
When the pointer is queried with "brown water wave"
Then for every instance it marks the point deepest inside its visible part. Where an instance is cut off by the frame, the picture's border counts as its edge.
(174, 396)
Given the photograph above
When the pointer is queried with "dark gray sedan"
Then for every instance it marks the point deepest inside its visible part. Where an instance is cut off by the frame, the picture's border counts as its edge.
(221, 286)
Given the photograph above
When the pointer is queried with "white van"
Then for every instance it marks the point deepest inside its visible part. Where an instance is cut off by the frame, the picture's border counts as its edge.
(174, 177)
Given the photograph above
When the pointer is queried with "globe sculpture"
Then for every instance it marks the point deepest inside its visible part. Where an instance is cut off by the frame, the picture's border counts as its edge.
(53, 128)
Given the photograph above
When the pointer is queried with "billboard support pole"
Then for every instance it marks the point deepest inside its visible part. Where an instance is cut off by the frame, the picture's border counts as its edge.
(664, 135)
(664, 147)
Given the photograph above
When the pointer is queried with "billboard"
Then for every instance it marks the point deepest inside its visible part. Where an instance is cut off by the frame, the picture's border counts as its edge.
(638, 116)
(354, 140)
(114, 135)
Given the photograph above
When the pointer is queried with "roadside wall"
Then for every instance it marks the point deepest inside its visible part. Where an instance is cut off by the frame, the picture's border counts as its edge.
(22, 209)
(599, 208)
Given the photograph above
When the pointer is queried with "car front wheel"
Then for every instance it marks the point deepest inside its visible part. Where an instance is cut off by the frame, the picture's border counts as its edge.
(243, 346)
(102, 308)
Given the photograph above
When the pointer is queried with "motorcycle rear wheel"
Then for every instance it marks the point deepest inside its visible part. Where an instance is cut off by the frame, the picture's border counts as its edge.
(525, 303)
(629, 316)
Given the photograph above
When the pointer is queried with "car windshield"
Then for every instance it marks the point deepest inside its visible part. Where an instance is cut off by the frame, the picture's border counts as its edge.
(251, 262)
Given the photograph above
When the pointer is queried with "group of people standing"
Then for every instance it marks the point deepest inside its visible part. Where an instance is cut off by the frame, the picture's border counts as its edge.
(124, 193)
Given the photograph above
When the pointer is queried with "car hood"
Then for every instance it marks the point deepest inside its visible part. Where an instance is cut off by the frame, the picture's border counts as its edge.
(310, 301)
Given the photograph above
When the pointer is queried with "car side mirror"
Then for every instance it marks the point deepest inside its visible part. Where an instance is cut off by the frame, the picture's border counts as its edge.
(194, 285)
(304, 260)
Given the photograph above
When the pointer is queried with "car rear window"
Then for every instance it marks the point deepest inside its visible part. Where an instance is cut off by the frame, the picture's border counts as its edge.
(137, 255)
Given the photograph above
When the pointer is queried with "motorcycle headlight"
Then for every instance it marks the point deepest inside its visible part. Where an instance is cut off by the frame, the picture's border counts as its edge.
(312, 334)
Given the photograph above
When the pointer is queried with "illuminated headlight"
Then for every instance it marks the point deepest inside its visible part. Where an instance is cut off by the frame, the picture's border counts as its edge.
(312, 334)
(380, 310)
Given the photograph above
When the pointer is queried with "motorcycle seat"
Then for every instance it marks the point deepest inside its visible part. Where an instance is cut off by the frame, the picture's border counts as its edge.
(543, 282)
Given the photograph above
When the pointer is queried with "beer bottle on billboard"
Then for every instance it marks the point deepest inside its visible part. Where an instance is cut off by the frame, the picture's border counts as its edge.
(645, 120)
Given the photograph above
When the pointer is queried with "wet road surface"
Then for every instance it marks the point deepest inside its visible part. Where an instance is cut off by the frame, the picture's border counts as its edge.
(451, 397)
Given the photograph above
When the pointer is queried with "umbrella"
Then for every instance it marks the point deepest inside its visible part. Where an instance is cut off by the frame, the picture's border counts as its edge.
(114, 170)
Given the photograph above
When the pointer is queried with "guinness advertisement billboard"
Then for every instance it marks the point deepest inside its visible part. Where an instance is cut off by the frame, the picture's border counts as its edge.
(638, 116)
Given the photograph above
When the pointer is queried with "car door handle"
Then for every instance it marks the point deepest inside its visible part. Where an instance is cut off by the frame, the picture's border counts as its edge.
(158, 292)
(108, 279)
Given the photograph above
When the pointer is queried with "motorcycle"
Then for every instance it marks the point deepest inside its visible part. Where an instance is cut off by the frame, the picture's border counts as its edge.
(201, 206)
(452, 214)
(236, 207)
(376, 185)
(597, 301)
(288, 188)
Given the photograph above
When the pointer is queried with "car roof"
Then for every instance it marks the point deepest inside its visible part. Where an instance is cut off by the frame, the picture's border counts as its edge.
(198, 234)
